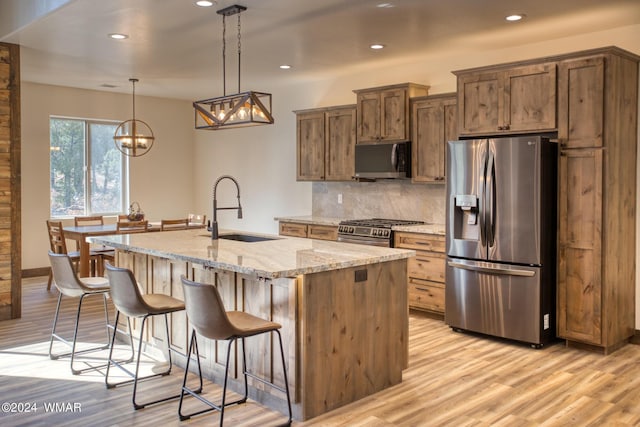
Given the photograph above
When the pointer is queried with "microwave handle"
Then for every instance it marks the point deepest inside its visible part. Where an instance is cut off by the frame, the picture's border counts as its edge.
(394, 157)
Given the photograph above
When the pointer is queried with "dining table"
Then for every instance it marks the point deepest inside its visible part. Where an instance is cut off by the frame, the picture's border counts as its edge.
(81, 232)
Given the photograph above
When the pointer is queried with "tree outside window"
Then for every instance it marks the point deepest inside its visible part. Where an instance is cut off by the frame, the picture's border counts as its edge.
(88, 173)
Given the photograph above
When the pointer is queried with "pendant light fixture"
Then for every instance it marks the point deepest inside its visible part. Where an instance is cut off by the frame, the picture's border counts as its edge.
(134, 137)
(232, 111)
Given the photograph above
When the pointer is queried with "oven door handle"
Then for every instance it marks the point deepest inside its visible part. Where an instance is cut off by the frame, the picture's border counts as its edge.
(365, 241)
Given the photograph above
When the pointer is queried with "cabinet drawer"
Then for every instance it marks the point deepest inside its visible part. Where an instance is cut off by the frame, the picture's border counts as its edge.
(323, 232)
(293, 229)
(421, 242)
(426, 295)
(427, 266)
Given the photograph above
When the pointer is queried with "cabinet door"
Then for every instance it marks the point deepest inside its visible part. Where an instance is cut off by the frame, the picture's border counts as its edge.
(340, 132)
(581, 102)
(368, 117)
(293, 229)
(323, 232)
(580, 242)
(478, 99)
(433, 124)
(310, 146)
(529, 99)
(393, 121)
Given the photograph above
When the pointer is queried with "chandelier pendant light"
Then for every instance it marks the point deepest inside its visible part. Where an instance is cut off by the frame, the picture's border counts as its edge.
(133, 137)
(238, 110)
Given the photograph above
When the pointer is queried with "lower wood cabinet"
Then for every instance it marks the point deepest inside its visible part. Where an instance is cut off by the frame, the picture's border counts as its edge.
(311, 231)
(425, 271)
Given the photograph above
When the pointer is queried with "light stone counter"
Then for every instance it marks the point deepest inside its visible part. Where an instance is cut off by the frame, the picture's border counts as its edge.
(422, 228)
(281, 257)
(312, 219)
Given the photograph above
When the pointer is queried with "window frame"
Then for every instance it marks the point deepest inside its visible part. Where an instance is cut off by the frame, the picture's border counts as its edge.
(87, 182)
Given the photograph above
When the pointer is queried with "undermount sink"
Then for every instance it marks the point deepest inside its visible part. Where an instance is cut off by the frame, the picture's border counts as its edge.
(246, 237)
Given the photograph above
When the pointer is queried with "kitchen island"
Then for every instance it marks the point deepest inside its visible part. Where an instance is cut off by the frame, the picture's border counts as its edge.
(342, 307)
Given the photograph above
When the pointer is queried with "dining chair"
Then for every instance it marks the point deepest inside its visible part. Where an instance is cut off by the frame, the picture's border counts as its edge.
(128, 227)
(196, 219)
(70, 285)
(58, 245)
(209, 319)
(105, 253)
(129, 301)
(174, 224)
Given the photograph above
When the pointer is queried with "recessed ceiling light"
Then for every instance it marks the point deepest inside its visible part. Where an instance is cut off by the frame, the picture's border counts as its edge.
(384, 5)
(118, 36)
(204, 3)
(377, 46)
(285, 67)
(515, 17)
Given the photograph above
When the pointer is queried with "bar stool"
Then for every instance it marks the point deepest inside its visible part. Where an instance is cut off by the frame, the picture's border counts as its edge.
(129, 301)
(208, 317)
(68, 283)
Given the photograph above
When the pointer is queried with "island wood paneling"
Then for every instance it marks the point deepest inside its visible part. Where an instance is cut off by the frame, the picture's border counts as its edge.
(352, 346)
(10, 225)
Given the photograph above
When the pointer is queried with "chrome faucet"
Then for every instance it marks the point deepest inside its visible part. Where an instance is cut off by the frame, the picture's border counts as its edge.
(214, 224)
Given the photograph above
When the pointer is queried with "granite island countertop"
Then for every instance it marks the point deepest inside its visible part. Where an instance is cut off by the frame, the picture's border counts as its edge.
(280, 257)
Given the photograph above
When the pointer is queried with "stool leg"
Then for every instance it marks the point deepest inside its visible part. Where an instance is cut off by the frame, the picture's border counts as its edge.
(193, 345)
(53, 330)
(72, 344)
(284, 371)
(110, 360)
(226, 377)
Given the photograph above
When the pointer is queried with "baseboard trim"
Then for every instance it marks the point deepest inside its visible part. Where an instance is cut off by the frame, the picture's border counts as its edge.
(35, 272)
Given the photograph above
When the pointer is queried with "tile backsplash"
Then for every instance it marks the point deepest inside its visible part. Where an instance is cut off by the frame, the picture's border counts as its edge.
(384, 199)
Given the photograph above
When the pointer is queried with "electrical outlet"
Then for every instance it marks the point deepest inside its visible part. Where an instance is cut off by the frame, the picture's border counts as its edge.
(339, 198)
(546, 321)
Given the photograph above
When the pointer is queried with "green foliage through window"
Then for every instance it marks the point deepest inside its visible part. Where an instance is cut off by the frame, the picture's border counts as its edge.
(88, 173)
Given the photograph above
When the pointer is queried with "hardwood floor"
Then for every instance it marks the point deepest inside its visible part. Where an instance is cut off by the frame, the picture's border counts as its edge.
(453, 379)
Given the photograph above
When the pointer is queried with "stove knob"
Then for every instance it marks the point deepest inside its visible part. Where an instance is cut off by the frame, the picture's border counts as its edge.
(386, 233)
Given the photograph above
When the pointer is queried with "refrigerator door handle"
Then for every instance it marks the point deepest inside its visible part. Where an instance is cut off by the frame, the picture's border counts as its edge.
(492, 270)
(483, 203)
(491, 200)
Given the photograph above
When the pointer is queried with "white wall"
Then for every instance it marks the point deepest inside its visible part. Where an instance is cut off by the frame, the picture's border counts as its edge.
(181, 169)
(161, 181)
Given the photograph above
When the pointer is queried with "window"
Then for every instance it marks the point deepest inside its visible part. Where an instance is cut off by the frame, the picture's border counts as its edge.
(88, 172)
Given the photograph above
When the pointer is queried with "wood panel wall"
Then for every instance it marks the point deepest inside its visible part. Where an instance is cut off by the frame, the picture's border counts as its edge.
(10, 227)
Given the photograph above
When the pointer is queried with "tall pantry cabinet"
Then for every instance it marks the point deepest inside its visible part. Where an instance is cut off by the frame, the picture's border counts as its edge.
(597, 132)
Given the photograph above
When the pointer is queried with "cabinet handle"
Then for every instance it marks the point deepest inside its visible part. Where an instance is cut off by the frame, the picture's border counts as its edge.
(506, 127)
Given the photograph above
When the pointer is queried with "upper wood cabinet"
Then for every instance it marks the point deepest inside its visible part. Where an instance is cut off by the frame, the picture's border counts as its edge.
(434, 122)
(310, 145)
(326, 141)
(383, 113)
(495, 100)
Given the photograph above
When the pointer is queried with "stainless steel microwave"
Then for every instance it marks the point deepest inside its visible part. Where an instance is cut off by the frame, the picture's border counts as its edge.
(383, 161)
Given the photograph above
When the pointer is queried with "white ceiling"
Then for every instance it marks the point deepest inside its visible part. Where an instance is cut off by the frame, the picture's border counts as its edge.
(175, 47)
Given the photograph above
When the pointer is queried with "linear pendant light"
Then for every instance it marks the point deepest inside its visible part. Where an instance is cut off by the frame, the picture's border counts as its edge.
(134, 137)
(238, 110)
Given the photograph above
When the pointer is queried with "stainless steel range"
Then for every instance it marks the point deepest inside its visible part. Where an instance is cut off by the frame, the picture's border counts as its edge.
(374, 231)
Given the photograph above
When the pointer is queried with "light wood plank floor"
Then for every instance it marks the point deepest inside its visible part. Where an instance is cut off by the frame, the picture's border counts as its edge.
(453, 379)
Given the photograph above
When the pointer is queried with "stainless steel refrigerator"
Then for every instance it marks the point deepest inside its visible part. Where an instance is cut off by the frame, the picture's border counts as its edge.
(501, 237)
